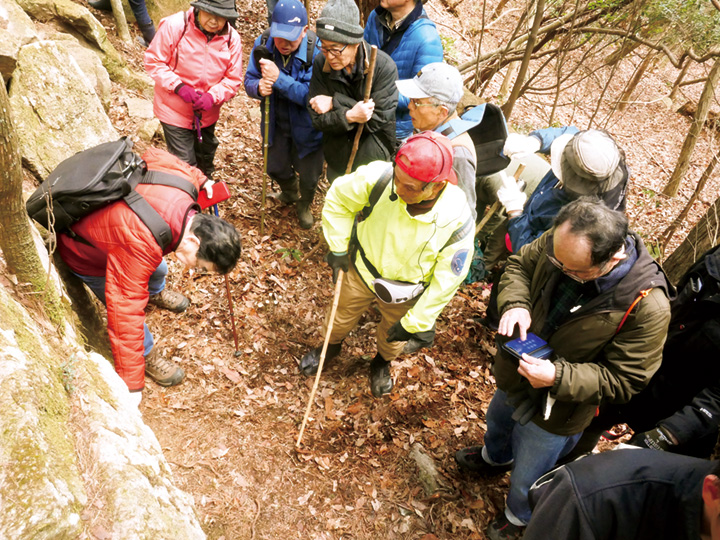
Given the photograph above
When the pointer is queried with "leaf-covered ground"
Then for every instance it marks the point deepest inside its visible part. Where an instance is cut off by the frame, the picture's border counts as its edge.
(229, 430)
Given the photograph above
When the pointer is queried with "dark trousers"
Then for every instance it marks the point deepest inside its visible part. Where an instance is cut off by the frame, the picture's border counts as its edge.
(184, 144)
(285, 165)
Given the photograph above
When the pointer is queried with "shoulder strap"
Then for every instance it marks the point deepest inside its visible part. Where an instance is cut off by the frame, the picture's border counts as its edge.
(311, 39)
(461, 232)
(148, 215)
(376, 192)
(265, 36)
(642, 295)
(177, 43)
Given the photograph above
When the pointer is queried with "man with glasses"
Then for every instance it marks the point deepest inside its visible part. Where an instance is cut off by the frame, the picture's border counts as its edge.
(591, 290)
(433, 96)
(337, 87)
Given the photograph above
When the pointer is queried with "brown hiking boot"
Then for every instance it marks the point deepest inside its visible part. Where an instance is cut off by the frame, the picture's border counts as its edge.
(170, 300)
(163, 372)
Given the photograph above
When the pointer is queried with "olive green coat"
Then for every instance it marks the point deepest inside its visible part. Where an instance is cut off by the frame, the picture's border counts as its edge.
(594, 364)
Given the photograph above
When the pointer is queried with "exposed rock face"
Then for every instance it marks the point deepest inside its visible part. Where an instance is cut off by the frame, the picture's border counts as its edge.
(75, 455)
(89, 62)
(16, 30)
(55, 108)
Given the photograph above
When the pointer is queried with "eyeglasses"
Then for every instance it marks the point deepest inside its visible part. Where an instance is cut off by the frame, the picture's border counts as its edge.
(414, 103)
(334, 52)
(575, 274)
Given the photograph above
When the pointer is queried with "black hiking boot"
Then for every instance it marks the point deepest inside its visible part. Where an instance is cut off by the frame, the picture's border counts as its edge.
(310, 362)
(470, 459)
(381, 382)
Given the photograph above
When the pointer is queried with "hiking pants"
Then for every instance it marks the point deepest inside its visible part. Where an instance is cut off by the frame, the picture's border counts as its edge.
(184, 144)
(355, 299)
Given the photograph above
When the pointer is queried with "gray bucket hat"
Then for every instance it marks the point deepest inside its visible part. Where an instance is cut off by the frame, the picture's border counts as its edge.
(340, 22)
(221, 8)
(590, 163)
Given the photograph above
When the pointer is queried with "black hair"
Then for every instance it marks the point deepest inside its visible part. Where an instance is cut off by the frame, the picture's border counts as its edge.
(606, 229)
(219, 241)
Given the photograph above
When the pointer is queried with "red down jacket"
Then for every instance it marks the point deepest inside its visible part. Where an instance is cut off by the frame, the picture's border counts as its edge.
(126, 253)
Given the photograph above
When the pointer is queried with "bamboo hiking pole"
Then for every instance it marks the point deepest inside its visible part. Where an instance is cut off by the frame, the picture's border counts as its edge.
(366, 97)
(322, 356)
(496, 205)
(266, 134)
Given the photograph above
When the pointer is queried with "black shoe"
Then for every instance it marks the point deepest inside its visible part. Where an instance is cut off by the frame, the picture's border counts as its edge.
(380, 381)
(310, 362)
(470, 459)
(501, 529)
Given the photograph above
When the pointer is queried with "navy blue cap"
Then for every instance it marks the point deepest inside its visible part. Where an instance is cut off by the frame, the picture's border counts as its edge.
(288, 20)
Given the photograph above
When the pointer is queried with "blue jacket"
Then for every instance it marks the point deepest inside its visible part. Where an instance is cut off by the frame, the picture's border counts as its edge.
(414, 45)
(292, 85)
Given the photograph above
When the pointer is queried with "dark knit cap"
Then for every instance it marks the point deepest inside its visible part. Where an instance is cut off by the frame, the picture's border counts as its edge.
(340, 22)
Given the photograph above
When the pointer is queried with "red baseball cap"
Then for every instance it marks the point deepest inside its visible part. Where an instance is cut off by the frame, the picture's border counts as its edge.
(429, 158)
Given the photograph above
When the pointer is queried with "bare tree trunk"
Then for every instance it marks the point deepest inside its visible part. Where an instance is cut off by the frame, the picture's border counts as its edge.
(673, 185)
(16, 241)
(679, 79)
(512, 69)
(635, 80)
(702, 237)
(532, 38)
(670, 231)
(120, 21)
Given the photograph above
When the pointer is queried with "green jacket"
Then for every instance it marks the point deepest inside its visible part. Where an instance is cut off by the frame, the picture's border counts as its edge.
(595, 363)
(402, 247)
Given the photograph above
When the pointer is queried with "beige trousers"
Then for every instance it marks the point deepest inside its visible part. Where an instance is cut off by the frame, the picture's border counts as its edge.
(355, 299)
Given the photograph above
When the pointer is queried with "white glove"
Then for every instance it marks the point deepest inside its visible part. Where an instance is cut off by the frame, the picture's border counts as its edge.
(134, 398)
(207, 186)
(511, 198)
(519, 145)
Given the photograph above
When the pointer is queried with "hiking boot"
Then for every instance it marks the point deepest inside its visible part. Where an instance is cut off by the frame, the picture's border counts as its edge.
(163, 372)
(380, 381)
(170, 300)
(310, 362)
(304, 214)
(470, 459)
(288, 197)
(501, 529)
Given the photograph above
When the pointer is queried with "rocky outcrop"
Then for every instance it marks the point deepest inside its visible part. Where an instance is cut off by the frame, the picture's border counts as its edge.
(55, 108)
(75, 455)
(16, 30)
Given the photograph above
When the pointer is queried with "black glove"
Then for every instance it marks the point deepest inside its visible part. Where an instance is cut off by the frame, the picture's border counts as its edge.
(527, 404)
(337, 263)
(415, 341)
(655, 439)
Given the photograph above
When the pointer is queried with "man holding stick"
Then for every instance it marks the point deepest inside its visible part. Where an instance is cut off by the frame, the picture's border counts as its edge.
(411, 251)
(337, 87)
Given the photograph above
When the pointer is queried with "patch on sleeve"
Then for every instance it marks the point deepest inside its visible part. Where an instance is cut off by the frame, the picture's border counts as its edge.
(458, 261)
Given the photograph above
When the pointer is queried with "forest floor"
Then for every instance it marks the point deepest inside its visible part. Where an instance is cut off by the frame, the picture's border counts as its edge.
(229, 430)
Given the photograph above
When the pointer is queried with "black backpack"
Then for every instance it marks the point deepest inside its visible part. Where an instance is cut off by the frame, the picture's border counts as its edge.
(94, 178)
(485, 123)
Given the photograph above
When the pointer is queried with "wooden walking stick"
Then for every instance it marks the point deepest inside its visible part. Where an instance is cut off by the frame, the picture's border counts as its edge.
(366, 97)
(338, 284)
(496, 205)
(261, 52)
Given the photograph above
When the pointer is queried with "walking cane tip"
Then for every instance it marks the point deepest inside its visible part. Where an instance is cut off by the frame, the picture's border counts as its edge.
(237, 353)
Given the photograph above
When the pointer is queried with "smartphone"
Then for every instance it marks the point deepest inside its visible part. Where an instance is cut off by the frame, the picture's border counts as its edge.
(533, 346)
(220, 193)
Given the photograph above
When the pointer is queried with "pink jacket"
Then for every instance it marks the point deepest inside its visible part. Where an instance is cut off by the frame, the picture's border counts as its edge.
(181, 53)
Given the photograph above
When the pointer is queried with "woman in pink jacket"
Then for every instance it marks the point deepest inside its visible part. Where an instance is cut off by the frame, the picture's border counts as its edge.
(196, 62)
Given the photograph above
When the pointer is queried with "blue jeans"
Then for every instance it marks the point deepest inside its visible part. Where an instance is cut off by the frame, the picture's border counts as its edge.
(533, 451)
(155, 285)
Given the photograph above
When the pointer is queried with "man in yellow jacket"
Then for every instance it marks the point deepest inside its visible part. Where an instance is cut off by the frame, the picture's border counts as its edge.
(410, 249)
